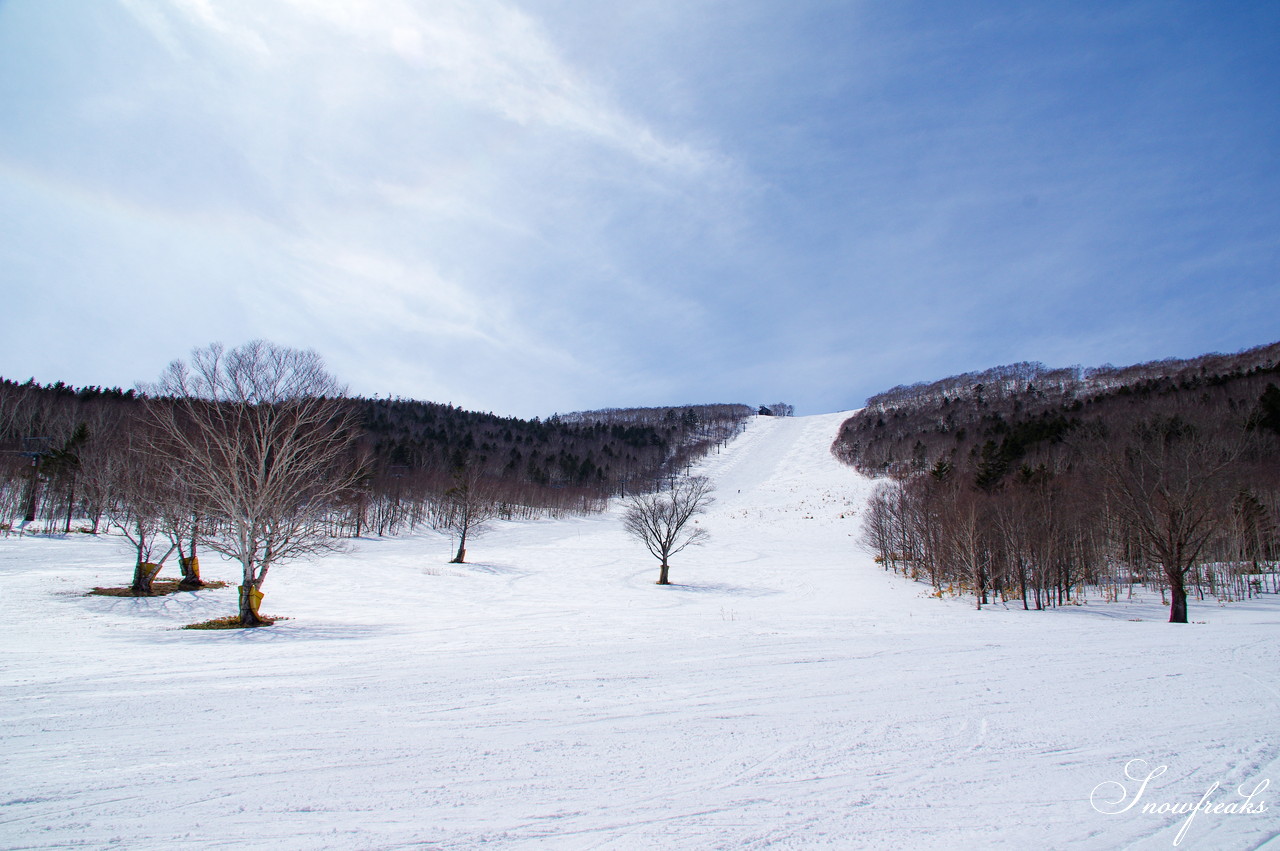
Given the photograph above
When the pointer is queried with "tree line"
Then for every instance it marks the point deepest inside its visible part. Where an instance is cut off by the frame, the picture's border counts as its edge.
(1038, 486)
(64, 450)
(567, 462)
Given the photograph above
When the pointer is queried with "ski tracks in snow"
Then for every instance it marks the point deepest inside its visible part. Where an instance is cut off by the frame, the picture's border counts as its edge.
(786, 693)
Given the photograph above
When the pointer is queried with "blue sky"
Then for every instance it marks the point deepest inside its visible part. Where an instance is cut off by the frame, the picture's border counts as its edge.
(531, 206)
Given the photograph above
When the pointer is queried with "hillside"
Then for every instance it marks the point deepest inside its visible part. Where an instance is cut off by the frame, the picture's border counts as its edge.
(786, 692)
(408, 451)
(1037, 484)
(1027, 409)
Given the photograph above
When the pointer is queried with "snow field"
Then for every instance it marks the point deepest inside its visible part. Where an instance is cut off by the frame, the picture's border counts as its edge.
(785, 693)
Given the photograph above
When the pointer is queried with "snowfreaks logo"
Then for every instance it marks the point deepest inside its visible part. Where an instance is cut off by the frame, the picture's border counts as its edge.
(1113, 797)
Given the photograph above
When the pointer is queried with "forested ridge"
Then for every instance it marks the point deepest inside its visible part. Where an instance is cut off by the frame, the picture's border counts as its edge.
(1030, 483)
(572, 461)
(997, 419)
(408, 453)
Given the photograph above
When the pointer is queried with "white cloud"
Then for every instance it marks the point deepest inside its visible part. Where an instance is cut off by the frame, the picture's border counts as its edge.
(379, 292)
(155, 20)
(483, 53)
(410, 177)
(540, 183)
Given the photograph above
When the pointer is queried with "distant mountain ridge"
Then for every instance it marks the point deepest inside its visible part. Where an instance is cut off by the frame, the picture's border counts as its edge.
(913, 426)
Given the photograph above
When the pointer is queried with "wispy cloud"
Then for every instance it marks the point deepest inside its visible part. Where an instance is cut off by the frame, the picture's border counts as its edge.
(400, 158)
(530, 205)
(484, 53)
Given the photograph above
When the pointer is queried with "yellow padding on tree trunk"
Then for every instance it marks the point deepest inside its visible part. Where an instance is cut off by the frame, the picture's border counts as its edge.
(255, 598)
(149, 570)
(191, 567)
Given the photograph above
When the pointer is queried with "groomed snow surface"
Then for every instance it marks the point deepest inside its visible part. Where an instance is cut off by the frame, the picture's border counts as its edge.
(786, 693)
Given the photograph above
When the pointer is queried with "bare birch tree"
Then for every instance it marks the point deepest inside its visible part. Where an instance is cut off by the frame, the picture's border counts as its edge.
(661, 520)
(880, 532)
(136, 510)
(259, 438)
(466, 509)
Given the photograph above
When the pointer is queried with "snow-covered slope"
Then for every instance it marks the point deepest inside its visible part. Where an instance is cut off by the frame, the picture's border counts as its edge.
(784, 693)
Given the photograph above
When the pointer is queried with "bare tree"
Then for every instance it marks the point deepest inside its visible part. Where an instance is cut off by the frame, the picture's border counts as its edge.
(102, 466)
(965, 532)
(880, 532)
(466, 509)
(182, 522)
(259, 437)
(1168, 485)
(137, 510)
(661, 520)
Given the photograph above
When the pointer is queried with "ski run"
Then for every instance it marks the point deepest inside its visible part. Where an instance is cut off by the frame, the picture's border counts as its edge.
(785, 692)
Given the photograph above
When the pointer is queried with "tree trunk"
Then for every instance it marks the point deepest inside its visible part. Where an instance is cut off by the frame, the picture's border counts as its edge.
(250, 600)
(1177, 596)
(460, 558)
(143, 573)
(71, 501)
(33, 492)
(662, 574)
(190, 573)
